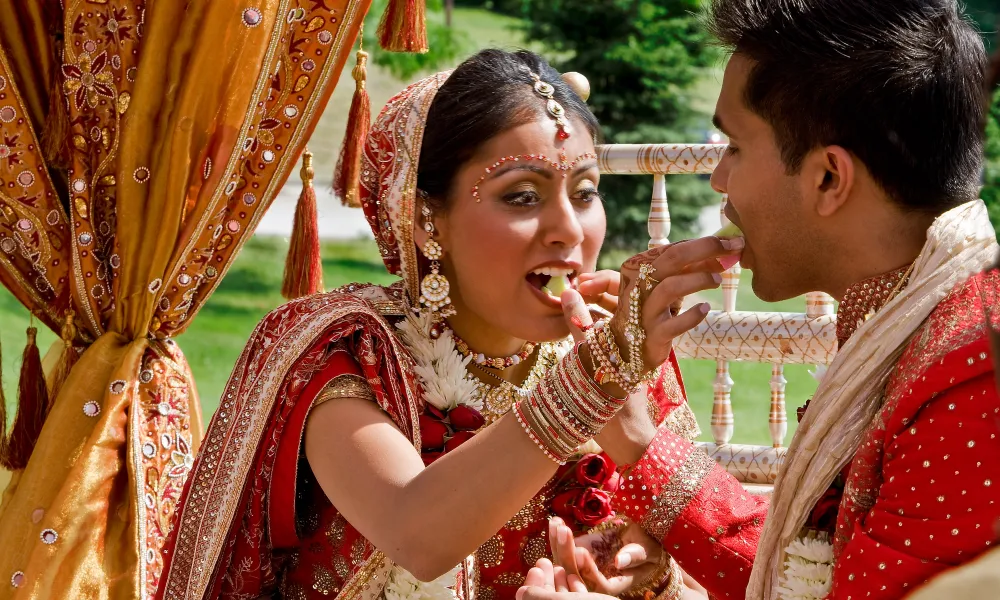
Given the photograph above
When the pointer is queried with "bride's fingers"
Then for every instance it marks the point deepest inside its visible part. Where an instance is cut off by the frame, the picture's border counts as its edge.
(547, 569)
(559, 577)
(567, 549)
(576, 313)
(577, 585)
(535, 577)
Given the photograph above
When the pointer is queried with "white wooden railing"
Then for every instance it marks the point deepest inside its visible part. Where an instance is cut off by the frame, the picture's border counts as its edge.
(728, 334)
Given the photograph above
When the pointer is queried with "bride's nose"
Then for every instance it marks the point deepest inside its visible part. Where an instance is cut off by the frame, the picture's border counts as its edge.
(561, 223)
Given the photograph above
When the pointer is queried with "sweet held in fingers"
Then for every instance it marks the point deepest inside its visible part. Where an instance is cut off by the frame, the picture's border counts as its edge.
(729, 232)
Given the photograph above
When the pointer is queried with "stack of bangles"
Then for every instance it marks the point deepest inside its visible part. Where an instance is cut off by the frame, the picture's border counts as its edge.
(566, 409)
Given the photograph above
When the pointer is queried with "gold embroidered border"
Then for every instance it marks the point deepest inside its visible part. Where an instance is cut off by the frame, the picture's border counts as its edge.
(368, 582)
(675, 496)
(217, 480)
(345, 386)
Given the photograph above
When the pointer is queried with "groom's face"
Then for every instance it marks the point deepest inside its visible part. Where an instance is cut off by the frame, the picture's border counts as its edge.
(764, 200)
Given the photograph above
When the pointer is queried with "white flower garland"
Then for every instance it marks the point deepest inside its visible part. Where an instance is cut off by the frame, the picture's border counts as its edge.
(808, 569)
(402, 585)
(446, 383)
(439, 365)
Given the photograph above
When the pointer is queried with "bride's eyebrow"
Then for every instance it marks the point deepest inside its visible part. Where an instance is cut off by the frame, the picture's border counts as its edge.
(507, 168)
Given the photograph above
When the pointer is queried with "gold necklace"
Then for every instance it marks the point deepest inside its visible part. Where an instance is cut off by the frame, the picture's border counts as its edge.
(498, 399)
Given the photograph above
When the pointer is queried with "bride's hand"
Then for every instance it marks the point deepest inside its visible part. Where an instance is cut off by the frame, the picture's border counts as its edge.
(607, 562)
(677, 270)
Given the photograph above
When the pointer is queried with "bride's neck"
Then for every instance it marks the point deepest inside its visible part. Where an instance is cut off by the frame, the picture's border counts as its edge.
(483, 338)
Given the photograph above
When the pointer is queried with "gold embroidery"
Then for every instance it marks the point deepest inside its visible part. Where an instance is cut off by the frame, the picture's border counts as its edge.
(345, 386)
(534, 548)
(490, 554)
(510, 579)
(323, 581)
(677, 494)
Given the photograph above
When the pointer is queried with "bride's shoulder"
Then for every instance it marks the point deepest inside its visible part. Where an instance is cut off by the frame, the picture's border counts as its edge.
(389, 300)
(384, 302)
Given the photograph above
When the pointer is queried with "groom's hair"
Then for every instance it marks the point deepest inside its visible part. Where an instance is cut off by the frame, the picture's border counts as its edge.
(898, 83)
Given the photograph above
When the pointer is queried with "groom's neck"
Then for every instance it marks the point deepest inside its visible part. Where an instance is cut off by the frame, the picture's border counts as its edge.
(873, 238)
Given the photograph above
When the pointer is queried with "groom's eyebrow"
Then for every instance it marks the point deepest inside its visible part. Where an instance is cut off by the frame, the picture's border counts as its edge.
(717, 121)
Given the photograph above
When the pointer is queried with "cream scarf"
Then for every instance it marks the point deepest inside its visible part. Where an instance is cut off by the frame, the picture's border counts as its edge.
(960, 243)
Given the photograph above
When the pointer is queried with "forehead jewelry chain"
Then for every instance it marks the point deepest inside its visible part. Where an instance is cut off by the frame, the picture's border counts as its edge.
(552, 106)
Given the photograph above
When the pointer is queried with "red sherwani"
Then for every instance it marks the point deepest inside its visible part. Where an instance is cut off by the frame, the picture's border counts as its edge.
(922, 493)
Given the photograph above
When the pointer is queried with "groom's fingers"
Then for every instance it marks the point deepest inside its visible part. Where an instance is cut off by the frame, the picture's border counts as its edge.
(630, 556)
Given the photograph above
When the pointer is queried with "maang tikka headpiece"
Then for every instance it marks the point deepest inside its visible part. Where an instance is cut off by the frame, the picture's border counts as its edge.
(552, 106)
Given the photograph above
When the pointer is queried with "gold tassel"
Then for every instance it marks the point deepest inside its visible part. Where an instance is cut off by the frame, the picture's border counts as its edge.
(347, 175)
(67, 359)
(403, 27)
(304, 266)
(3, 414)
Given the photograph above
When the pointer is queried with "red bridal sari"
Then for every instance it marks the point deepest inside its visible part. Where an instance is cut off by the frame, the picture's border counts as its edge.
(254, 523)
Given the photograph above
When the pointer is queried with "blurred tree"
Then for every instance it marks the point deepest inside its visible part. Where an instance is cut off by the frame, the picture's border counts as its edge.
(987, 15)
(643, 59)
(446, 44)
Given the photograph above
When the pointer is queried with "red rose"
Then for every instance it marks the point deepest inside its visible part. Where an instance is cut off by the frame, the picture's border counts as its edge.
(563, 505)
(434, 412)
(594, 470)
(824, 515)
(430, 457)
(613, 483)
(466, 418)
(432, 432)
(457, 440)
(593, 507)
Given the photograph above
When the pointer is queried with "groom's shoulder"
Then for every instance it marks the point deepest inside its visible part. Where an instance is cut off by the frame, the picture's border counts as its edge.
(952, 345)
(958, 321)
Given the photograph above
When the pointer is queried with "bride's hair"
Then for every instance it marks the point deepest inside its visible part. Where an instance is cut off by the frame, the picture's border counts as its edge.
(486, 95)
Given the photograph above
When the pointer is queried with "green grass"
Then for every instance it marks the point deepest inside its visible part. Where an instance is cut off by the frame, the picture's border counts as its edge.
(252, 286)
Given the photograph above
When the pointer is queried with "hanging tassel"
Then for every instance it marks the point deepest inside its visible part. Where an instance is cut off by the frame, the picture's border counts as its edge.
(55, 132)
(3, 415)
(303, 267)
(346, 177)
(66, 360)
(403, 27)
(32, 403)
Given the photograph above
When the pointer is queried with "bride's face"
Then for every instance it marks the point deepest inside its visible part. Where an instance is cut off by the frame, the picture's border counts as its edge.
(513, 220)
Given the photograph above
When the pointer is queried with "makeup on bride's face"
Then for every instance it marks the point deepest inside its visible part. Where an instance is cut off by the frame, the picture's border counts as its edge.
(525, 215)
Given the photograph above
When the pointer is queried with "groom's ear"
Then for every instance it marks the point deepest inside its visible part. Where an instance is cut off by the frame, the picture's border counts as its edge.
(832, 171)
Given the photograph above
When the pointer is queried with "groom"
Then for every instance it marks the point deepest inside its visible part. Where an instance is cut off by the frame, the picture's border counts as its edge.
(853, 168)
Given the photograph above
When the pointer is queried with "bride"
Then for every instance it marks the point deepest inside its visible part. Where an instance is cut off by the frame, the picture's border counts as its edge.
(415, 440)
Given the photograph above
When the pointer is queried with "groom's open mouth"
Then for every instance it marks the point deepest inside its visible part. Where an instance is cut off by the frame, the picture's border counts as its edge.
(550, 280)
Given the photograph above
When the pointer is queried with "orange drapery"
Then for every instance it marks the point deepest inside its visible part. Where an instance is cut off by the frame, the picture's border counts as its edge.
(182, 121)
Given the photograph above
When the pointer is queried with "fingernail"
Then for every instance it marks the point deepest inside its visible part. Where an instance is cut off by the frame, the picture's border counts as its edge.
(704, 308)
(623, 561)
(726, 243)
(716, 278)
(737, 243)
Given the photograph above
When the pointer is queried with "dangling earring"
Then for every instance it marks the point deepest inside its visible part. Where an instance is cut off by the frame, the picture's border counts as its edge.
(434, 288)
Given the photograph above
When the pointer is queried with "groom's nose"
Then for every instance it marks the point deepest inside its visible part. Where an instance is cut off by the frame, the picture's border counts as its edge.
(720, 176)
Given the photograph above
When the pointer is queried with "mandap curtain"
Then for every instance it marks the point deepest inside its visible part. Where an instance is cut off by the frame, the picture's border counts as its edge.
(140, 143)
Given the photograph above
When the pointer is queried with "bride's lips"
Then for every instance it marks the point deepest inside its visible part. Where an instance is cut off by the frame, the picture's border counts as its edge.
(536, 281)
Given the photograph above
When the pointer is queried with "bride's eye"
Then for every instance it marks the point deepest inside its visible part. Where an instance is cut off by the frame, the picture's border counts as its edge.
(588, 195)
(522, 198)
